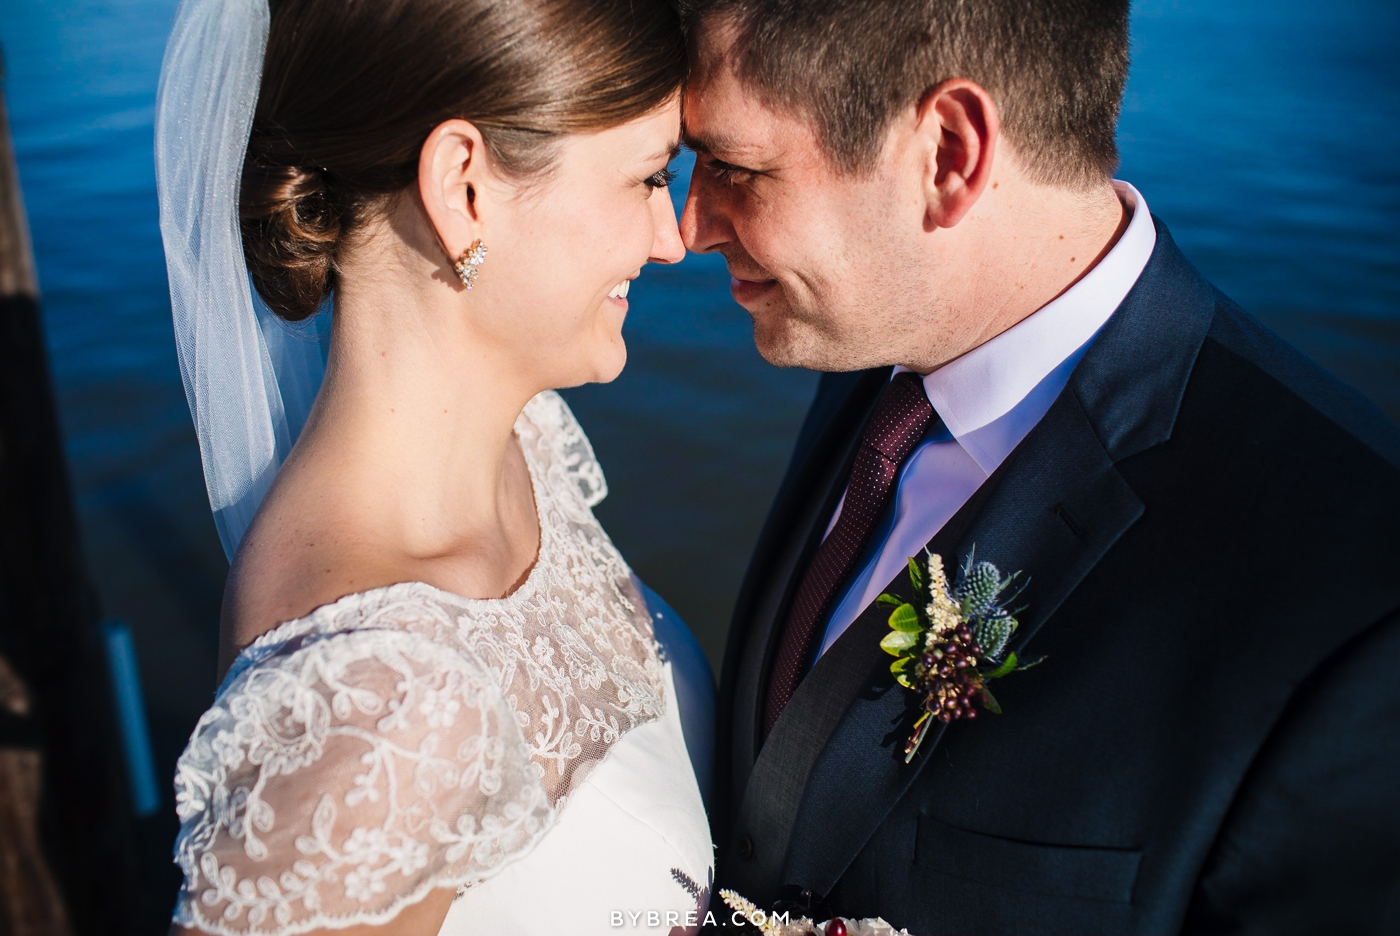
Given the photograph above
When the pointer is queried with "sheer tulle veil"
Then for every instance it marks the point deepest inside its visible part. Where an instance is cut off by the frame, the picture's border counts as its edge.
(250, 377)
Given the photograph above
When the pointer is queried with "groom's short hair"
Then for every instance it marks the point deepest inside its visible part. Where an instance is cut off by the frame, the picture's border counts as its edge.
(1056, 69)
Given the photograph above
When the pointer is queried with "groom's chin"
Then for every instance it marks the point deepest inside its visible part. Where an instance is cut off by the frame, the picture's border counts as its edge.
(793, 343)
(788, 334)
(772, 340)
(784, 342)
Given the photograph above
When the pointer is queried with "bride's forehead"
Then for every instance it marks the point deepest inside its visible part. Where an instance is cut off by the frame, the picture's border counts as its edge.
(652, 136)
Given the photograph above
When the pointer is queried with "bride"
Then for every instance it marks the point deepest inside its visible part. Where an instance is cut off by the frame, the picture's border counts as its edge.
(448, 705)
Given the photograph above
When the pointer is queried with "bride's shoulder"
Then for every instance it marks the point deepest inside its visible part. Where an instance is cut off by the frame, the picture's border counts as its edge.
(415, 609)
(314, 543)
(557, 440)
(294, 565)
(361, 743)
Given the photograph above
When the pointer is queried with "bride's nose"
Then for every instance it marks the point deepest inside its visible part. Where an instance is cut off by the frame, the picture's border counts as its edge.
(667, 246)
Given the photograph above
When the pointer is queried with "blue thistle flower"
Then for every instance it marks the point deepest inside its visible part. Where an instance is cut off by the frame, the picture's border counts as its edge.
(993, 632)
(978, 590)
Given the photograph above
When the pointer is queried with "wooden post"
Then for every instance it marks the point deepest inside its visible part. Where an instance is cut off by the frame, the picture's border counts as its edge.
(17, 276)
(64, 828)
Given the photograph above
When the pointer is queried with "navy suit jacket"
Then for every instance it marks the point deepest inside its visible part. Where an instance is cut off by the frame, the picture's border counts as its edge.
(1210, 526)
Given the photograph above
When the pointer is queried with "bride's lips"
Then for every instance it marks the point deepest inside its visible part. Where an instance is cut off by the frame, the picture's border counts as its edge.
(618, 295)
(746, 291)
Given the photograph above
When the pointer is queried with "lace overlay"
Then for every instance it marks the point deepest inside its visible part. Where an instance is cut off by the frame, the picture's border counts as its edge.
(405, 739)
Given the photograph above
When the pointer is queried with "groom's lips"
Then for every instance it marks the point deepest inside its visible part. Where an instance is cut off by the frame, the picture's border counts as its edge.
(746, 291)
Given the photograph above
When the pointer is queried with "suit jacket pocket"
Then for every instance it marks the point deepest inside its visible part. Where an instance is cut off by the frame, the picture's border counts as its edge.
(1104, 875)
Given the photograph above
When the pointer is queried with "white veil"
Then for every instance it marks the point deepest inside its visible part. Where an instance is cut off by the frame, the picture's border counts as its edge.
(249, 376)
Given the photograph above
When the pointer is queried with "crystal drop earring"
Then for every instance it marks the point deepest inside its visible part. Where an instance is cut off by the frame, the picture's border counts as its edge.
(466, 265)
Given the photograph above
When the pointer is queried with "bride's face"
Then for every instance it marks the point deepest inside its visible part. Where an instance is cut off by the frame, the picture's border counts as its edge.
(565, 248)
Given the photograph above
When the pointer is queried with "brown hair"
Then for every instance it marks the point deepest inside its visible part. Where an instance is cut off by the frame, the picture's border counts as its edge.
(352, 88)
(1056, 69)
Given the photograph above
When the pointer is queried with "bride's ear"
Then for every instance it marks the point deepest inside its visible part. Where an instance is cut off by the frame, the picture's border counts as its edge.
(453, 174)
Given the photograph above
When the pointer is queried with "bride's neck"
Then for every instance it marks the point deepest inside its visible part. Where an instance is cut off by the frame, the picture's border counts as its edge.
(407, 469)
(417, 410)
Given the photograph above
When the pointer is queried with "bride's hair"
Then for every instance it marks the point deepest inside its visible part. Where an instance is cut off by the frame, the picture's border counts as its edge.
(352, 88)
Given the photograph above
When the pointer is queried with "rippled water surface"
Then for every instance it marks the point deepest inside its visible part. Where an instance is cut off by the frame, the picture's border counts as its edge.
(1264, 132)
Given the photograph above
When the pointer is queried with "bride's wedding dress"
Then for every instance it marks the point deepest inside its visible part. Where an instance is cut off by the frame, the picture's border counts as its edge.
(528, 751)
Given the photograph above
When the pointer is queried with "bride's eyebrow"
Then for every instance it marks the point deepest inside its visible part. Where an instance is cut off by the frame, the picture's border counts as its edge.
(669, 153)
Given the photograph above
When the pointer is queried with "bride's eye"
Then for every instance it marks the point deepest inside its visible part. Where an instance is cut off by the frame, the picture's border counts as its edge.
(662, 179)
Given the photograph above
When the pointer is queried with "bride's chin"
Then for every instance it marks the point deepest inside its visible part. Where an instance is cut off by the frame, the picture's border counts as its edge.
(610, 360)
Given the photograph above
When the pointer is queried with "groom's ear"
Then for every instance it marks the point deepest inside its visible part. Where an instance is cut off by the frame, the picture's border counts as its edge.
(452, 175)
(958, 126)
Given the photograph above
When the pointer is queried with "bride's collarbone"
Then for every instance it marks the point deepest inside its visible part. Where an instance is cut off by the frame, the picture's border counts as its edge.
(340, 520)
(284, 573)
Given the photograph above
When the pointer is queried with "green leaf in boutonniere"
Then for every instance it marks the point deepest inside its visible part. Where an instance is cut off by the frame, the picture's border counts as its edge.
(906, 618)
(916, 577)
(897, 642)
(1007, 666)
(942, 643)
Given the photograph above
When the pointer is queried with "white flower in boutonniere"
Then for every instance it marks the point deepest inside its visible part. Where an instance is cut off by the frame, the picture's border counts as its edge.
(946, 638)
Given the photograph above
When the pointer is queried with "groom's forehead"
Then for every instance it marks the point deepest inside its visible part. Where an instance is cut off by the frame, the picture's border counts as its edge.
(717, 100)
(724, 116)
(734, 137)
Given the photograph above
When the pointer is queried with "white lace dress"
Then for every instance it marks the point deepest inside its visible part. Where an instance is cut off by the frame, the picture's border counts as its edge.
(526, 751)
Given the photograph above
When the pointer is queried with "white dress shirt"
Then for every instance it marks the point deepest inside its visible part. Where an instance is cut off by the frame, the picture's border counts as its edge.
(989, 399)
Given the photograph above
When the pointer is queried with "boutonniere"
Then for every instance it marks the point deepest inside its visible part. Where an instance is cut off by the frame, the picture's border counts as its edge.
(949, 643)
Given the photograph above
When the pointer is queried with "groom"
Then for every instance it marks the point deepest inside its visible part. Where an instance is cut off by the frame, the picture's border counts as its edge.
(916, 198)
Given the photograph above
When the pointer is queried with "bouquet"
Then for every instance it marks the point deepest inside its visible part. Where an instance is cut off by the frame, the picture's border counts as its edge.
(783, 924)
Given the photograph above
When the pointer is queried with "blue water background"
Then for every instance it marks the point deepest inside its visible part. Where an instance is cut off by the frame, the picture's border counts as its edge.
(1264, 132)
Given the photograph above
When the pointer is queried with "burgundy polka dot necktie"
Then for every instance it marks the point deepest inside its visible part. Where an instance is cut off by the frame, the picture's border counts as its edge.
(901, 417)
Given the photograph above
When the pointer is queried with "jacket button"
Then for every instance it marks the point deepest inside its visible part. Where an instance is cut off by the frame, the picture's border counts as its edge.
(745, 847)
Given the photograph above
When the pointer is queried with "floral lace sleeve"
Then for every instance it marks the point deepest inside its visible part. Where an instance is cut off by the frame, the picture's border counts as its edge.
(342, 774)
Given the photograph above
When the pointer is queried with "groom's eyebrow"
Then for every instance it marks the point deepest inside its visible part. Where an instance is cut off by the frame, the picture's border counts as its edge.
(710, 145)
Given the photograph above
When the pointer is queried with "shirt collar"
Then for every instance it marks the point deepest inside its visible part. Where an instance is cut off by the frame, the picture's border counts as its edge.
(992, 396)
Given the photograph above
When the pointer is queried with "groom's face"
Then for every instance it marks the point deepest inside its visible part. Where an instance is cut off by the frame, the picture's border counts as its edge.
(815, 255)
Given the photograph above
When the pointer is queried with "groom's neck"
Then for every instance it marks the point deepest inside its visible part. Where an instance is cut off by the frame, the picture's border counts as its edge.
(1021, 246)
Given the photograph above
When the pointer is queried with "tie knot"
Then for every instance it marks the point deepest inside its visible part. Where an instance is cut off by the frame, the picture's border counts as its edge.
(901, 418)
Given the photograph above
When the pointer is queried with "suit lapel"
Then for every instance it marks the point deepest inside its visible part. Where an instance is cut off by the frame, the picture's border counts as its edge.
(1059, 507)
(774, 791)
(809, 494)
(848, 670)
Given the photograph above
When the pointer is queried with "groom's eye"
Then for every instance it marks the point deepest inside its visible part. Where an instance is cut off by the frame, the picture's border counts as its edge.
(727, 173)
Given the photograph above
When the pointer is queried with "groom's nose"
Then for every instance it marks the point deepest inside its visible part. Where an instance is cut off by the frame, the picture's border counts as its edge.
(705, 225)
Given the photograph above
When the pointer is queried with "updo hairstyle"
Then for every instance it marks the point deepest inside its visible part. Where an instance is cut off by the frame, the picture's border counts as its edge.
(352, 88)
